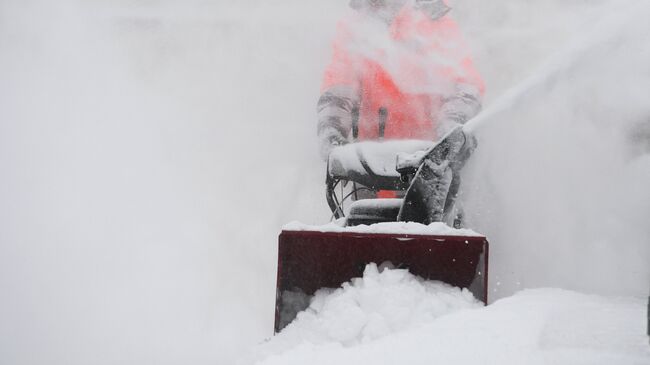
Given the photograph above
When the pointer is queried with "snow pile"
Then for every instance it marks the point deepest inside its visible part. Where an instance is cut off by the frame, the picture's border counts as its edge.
(436, 228)
(383, 302)
(541, 326)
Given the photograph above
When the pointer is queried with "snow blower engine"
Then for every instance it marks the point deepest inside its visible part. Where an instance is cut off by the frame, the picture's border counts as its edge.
(390, 183)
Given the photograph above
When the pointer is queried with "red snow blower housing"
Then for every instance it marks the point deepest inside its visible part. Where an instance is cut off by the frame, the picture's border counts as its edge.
(313, 258)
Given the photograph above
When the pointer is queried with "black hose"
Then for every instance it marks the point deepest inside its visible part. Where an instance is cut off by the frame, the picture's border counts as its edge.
(383, 117)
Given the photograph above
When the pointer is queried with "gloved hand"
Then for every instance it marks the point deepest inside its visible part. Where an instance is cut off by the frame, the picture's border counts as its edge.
(459, 107)
(330, 139)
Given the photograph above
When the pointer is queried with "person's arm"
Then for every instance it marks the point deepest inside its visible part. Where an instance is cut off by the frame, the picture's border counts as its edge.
(339, 95)
(335, 112)
(466, 101)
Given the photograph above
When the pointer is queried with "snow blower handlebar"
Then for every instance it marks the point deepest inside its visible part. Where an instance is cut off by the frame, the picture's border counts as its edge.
(370, 165)
(392, 165)
(332, 201)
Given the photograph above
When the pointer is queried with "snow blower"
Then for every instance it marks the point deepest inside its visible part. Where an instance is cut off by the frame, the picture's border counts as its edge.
(387, 181)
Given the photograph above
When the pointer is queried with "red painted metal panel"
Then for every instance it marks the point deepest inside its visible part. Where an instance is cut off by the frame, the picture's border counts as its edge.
(308, 261)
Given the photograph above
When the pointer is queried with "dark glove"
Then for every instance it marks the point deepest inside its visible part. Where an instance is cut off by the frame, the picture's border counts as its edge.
(329, 139)
(459, 108)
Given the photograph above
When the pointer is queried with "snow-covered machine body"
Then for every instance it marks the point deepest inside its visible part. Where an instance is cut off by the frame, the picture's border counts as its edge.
(370, 230)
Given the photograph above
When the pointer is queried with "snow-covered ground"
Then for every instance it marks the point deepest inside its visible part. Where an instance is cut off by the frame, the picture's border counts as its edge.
(150, 151)
(392, 317)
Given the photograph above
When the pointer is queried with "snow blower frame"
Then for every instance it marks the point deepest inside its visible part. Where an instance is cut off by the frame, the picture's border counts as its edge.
(311, 260)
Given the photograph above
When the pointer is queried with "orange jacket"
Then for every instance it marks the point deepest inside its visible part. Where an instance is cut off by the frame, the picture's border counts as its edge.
(416, 67)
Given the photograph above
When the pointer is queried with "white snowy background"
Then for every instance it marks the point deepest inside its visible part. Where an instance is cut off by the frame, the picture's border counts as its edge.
(151, 150)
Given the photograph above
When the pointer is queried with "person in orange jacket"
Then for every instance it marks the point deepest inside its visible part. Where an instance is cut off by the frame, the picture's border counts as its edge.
(401, 70)
(405, 59)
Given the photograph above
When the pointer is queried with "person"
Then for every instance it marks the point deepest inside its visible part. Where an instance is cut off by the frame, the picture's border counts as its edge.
(400, 69)
(406, 58)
